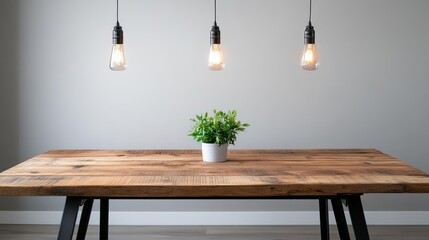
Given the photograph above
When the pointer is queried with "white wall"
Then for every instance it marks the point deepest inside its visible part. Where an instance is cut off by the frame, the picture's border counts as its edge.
(371, 89)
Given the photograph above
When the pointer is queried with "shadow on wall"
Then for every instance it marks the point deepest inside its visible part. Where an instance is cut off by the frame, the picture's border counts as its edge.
(9, 80)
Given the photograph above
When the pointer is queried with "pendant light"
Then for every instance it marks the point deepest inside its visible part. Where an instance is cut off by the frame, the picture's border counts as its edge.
(117, 59)
(309, 57)
(216, 61)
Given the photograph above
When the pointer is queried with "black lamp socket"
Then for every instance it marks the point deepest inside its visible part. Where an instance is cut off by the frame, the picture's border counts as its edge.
(309, 34)
(118, 34)
(215, 35)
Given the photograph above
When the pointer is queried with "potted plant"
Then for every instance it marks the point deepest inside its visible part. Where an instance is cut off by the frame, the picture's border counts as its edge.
(215, 133)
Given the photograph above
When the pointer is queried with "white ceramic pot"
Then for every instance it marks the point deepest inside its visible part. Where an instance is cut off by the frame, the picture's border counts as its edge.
(212, 152)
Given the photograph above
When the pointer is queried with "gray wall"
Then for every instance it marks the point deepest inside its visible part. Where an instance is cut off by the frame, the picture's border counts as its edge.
(371, 90)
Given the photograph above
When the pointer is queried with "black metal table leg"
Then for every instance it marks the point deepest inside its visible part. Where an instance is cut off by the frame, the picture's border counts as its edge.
(358, 217)
(340, 218)
(104, 219)
(324, 219)
(84, 219)
(68, 220)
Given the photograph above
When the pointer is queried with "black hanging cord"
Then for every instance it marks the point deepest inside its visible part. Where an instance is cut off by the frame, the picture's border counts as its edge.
(117, 11)
(309, 19)
(215, 12)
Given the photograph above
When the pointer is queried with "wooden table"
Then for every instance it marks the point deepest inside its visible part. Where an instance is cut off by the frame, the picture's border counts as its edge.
(340, 176)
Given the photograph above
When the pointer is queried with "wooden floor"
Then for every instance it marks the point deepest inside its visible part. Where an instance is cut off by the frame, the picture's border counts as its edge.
(49, 232)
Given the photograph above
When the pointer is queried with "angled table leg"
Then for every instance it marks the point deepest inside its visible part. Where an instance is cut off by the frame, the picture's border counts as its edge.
(68, 220)
(324, 219)
(358, 217)
(340, 218)
(84, 219)
(104, 219)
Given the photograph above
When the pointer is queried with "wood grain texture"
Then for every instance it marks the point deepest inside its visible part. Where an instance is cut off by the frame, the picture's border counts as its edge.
(182, 173)
(50, 232)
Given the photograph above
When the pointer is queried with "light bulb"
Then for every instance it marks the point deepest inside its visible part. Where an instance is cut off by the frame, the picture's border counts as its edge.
(117, 59)
(216, 62)
(309, 57)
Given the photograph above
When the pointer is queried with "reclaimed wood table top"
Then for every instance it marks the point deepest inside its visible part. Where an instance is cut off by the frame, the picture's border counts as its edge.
(182, 173)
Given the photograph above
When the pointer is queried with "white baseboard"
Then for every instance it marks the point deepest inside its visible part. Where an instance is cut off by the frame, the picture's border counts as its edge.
(217, 218)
